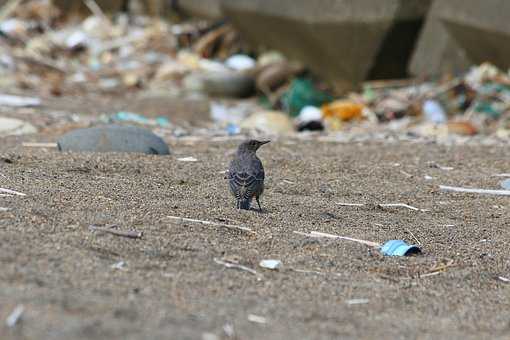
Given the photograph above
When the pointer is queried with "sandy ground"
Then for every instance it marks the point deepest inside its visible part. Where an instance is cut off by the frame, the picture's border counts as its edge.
(172, 288)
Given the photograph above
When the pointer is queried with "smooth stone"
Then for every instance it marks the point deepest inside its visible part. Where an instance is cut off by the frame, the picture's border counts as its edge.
(113, 138)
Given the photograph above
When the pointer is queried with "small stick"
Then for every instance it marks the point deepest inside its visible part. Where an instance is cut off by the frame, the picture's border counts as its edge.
(350, 204)
(410, 232)
(383, 205)
(502, 175)
(476, 191)
(319, 234)
(39, 145)
(12, 192)
(237, 266)
(228, 226)
(401, 205)
(129, 234)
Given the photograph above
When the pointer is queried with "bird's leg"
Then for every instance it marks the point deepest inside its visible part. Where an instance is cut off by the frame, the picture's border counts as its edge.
(258, 202)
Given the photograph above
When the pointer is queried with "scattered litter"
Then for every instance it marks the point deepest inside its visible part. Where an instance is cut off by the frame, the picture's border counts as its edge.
(357, 301)
(11, 192)
(504, 279)
(434, 111)
(229, 330)
(303, 92)
(125, 116)
(257, 319)
(119, 265)
(228, 226)
(428, 178)
(187, 159)
(240, 62)
(268, 122)
(271, 264)
(110, 230)
(475, 191)
(3, 209)
(18, 101)
(15, 316)
(389, 248)
(15, 127)
(238, 266)
(505, 184)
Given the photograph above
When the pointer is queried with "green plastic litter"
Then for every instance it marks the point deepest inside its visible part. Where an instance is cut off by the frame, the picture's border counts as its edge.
(303, 93)
(490, 109)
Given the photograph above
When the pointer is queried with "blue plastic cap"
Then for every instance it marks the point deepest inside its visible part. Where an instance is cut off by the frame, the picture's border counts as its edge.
(399, 248)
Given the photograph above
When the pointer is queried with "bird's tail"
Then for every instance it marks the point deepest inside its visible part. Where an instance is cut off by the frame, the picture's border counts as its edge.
(244, 204)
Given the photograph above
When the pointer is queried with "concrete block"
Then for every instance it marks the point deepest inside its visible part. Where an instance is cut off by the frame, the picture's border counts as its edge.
(460, 33)
(344, 41)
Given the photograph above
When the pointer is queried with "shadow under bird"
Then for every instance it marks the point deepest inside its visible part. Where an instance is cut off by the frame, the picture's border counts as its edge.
(246, 174)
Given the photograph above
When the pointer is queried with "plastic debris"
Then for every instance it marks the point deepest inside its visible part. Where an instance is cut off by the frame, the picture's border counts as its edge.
(389, 248)
(310, 118)
(240, 62)
(119, 265)
(434, 112)
(125, 116)
(271, 264)
(505, 184)
(18, 101)
(302, 92)
(342, 110)
(15, 127)
(399, 248)
(187, 159)
(15, 316)
(268, 122)
(357, 301)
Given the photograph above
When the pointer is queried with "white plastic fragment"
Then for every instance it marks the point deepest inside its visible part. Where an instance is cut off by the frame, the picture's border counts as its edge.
(257, 319)
(119, 265)
(240, 62)
(18, 101)
(15, 316)
(187, 159)
(271, 264)
(504, 279)
(357, 301)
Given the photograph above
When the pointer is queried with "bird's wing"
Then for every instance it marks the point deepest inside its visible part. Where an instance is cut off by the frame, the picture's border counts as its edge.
(246, 182)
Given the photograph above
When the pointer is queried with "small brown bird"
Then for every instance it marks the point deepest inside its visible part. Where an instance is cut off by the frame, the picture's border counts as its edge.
(246, 174)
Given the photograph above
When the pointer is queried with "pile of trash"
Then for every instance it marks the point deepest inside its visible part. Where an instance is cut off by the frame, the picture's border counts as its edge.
(42, 51)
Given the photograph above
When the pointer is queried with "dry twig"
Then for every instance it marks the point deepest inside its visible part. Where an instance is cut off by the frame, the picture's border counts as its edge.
(475, 191)
(109, 230)
(216, 224)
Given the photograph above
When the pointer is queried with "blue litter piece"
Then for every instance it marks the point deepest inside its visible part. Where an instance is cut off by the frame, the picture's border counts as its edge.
(233, 129)
(399, 248)
(162, 121)
(125, 116)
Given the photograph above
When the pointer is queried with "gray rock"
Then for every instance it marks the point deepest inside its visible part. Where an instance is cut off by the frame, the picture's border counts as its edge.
(113, 138)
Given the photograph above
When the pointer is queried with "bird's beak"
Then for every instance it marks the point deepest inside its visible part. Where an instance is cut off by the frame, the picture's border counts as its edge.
(264, 142)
